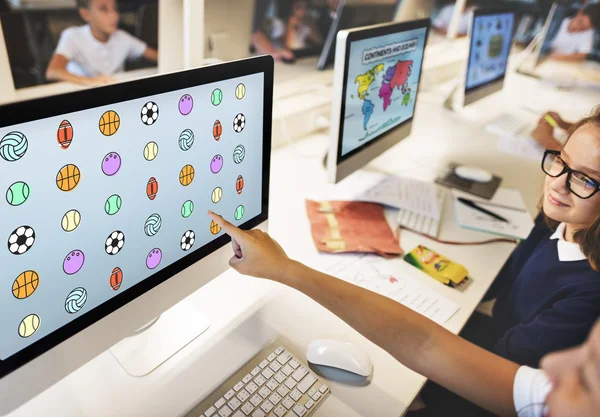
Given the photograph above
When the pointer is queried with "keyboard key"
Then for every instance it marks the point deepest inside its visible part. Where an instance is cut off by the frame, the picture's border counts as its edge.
(284, 358)
(256, 371)
(247, 408)
(295, 395)
(300, 410)
(287, 370)
(267, 406)
(275, 398)
(247, 379)
(267, 373)
(234, 404)
(258, 413)
(243, 395)
(280, 411)
(323, 389)
(306, 383)
(278, 350)
(238, 414)
(260, 380)
(252, 388)
(272, 385)
(264, 392)
(263, 364)
(300, 373)
(290, 383)
(317, 396)
(256, 400)
(311, 392)
(283, 391)
(238, 386)
(225, 411)
(272, 357)
(211, 411)
(229, 394)
(275, 366)
(309, 404)
(220, 403)
(294, 364)
(288, 403)
(279, 377)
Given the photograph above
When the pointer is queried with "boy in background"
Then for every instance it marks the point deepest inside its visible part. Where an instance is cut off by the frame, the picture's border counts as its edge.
(92, 53)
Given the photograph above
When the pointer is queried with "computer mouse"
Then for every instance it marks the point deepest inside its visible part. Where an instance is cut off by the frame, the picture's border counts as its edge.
(339, 355)
(473, 173)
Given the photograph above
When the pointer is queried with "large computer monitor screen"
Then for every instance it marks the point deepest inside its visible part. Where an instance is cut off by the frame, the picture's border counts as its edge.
(377, 74)
(491, 33)
(105, 196)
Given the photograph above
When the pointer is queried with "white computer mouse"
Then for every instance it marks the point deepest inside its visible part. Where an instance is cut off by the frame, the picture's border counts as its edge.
(471, 173)
(340, 355)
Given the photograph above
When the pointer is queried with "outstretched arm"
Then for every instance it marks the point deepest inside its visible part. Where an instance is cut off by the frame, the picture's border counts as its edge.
(415, 341)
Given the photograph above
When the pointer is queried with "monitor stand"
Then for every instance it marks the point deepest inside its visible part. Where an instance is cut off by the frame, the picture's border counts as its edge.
(157, 341)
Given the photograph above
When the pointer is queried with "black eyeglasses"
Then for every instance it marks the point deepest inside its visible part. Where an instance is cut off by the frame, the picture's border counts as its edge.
(580, 184)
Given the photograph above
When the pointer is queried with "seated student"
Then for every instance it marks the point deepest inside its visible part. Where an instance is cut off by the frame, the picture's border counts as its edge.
(568, 385)
(92, 53)
(269, 28)
(302, 32)
(575, 38)
(441, 23)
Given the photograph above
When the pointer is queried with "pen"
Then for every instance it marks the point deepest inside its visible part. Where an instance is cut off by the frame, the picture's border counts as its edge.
(550, 120)
(472, 204)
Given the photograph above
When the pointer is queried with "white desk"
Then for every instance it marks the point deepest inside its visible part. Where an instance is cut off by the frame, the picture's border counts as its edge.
(246, 313)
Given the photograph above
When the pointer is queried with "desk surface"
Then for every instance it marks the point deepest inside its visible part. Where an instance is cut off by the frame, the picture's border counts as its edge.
(258, 311)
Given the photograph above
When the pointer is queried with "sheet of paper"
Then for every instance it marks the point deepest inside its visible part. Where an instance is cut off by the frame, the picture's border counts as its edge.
(514, 210)
(520, 146)
(377, 274)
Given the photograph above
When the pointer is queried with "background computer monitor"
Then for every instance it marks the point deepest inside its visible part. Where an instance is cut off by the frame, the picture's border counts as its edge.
(353, 14)
(490, 32)
(376, 81)
(104, 209)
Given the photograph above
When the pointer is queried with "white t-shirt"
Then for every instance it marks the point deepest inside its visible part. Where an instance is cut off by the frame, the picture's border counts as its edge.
(572, 43)
(530, 390)
(444, 17)
(88, 57)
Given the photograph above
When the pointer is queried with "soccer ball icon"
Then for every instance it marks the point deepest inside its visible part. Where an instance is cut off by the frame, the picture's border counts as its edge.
(187, 240)
(239, 122)
(115, 242)
(21, 240)
(149, 113)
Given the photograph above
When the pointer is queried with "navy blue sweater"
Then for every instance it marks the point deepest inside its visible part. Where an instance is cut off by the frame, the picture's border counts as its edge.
(543, 305)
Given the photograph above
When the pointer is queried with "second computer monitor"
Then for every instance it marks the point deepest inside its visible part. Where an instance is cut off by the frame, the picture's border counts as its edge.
(376, 81)
(491, 33)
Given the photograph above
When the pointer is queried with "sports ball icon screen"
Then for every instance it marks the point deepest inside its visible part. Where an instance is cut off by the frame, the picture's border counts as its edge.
(96, 201)
(491, 38)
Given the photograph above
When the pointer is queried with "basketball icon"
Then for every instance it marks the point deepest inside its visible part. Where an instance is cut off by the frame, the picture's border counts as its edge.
(240, 91)
(17, 194)
(150, 151)
(75, 300)
(217, 194)
(29, 325)
(152, 188)
(25, 284)
(13, 146)
(109, 123)
(239, 184)
(116, 279)
(216, 97)
(64, 134)
(186, 176)
(70, 221)
(214, 227)
(217, 130)
(68, 177)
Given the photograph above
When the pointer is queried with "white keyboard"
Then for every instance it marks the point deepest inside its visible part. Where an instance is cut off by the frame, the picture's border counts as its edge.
(272, 384)
(509, 125)
(419, 222)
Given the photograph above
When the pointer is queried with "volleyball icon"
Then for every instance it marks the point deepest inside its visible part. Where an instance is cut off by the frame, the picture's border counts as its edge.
(149, 113)
(152, 225)
(116, 279)
(186, 140)
(68, 177)
(217, 130)
(238, 154)
(21, 240)
(114, 243)
(17, 193)
(150, 151)
(13, 146)
(109, 123)
(29, 325)
(70, 221)
(152, 188)
(239, 184)
(215, 228)
(75, 300)
(240, 91)
(25, 284)
(239, 122)
(64, 134)
(186, 175)
(216, 97)
(187, 240)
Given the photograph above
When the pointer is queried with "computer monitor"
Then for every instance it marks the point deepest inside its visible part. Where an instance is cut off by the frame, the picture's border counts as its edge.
(490, 36)
(104, 209)
(376, 82)
(549, 32)
(351, 14)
